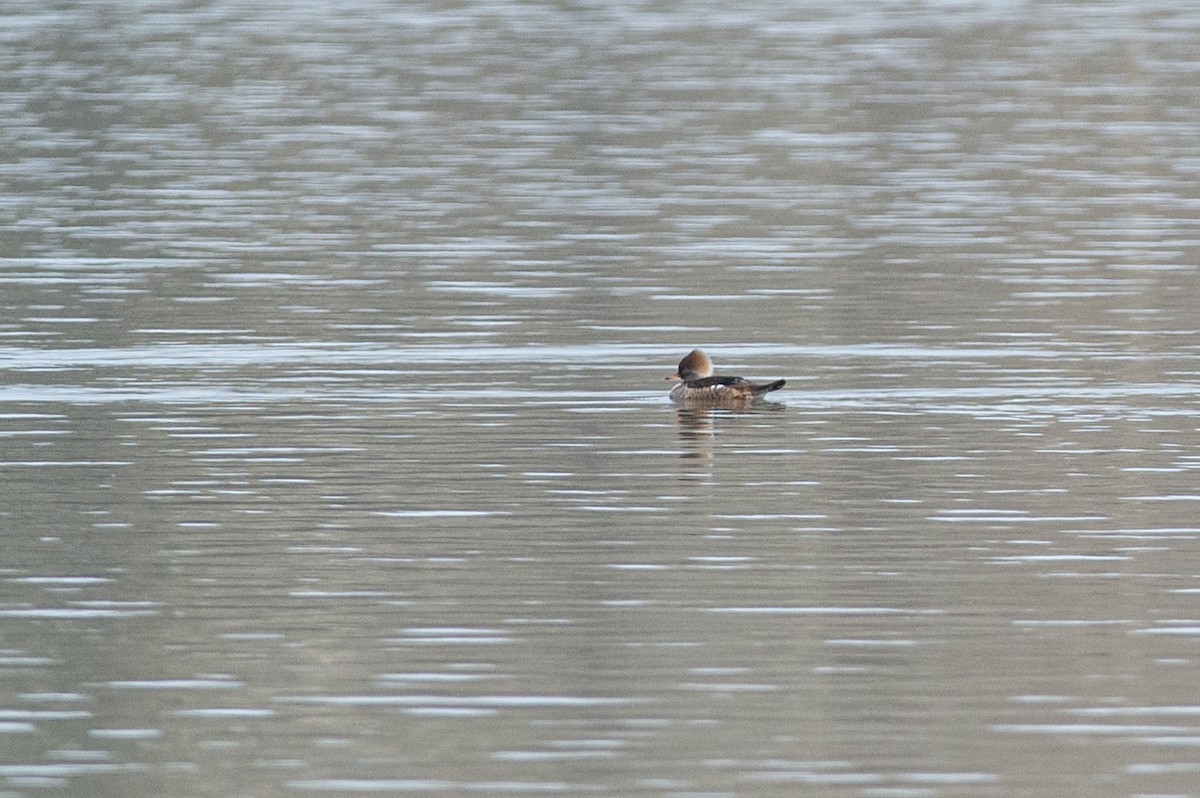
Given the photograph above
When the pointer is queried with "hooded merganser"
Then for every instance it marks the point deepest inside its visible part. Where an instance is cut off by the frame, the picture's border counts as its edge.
(700, 386)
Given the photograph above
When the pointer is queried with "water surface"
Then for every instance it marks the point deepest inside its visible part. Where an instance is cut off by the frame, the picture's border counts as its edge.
(337, 455)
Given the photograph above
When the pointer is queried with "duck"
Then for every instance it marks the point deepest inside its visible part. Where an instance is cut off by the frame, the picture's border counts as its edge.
(698, 385)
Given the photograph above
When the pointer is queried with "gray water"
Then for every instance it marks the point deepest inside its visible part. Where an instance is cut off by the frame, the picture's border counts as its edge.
(337, 457)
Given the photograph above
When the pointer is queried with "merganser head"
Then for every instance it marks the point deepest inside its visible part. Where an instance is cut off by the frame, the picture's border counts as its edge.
(696, 365)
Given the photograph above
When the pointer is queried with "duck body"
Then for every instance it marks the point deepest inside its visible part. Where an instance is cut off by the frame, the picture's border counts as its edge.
(698, 385)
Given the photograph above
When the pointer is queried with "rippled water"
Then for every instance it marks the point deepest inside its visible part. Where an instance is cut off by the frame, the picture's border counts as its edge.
(337, 457)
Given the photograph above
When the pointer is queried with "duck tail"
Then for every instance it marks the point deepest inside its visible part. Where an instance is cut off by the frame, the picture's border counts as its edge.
(759, 390)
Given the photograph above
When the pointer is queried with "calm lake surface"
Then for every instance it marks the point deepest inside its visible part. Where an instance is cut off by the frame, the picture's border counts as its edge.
(337, 457)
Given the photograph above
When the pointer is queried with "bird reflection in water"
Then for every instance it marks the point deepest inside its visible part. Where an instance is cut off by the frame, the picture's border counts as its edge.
(698, 423)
